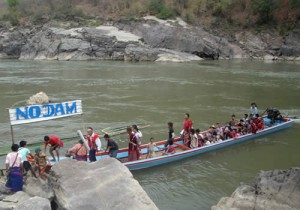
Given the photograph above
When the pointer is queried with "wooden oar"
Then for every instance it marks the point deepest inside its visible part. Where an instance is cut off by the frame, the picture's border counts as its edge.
(84, 140)
(182, 146)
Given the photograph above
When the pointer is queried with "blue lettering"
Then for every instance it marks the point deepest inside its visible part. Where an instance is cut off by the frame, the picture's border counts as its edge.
(71, 109)
(19, 113)
(50, 110)
(59, 108)
(34, 112)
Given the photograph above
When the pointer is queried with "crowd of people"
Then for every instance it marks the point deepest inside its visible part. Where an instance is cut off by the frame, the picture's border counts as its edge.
(17, 164)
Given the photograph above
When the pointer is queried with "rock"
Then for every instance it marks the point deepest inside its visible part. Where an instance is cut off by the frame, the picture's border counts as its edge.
(35, 203)
(193, 40)
(12, 201)
(105, 184)
(291, 46)
(278, 189)
(38, 187)
(39, 98)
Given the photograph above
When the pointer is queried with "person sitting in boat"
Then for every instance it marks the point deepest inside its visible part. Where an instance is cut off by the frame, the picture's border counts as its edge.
(55, 144)
(227, 131)
(14, 168)
(253, 127)
(259, 122)
(235, 133)
(187, 126)
(253, 109)
(212, 134)
(246, 128)
(94, 143)
(170, 149)
(200, 138)
(240, 125)
(41, 161)
(79, 151)
(112, 146)
(245, 118)
(207, 142)
(232, 122)
(194, 139)
(133, 146)
(218, 139)
(171, 134)
(151, 148)
(219, 130)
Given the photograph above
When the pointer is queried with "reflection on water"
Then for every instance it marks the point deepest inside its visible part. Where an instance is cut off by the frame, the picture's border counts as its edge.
(118, 93)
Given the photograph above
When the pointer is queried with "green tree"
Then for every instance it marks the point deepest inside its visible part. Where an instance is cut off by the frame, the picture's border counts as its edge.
(265, 9)
(12, 3)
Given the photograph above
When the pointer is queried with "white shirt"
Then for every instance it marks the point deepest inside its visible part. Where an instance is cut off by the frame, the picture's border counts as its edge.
(138, 136)
(97, 141)
(11, 157)
(253, 111)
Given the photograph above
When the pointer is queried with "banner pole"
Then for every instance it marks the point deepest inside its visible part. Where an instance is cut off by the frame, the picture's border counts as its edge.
(12, 134)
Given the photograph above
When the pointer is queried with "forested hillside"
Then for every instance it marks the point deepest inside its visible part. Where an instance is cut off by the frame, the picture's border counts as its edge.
(281, 14)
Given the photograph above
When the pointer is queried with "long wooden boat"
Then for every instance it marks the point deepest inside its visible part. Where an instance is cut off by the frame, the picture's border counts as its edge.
(185, 152)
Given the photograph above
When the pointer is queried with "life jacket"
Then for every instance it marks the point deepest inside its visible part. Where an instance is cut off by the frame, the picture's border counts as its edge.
(92, 142)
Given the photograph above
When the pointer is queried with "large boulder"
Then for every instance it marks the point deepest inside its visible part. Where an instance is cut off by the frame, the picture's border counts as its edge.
(273, 190)
(34, 203)
(105, 184)
(12, 201)
(38, 187)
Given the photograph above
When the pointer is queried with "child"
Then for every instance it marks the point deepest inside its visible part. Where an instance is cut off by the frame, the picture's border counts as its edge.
(151, 146)
(41, 163)
(24, 152)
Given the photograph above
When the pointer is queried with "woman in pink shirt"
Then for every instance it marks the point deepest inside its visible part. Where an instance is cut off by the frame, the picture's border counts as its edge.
(14, 168)
(79, 151)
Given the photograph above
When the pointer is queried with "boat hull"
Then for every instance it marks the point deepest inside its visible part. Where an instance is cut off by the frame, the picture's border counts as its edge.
(146, 163)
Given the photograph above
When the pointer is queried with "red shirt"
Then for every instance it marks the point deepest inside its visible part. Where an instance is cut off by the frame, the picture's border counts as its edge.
(54, 140)
(187, 125)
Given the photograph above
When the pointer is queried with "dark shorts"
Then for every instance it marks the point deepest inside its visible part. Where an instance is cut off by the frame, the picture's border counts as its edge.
(113, 153)
(92, 155)
(55, 147)
(26, 165)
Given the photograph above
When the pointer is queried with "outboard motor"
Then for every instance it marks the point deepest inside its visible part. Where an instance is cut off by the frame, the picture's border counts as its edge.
(273, 115)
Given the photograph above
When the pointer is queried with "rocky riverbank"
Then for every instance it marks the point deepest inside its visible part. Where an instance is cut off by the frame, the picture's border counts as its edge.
(105, 184)
(278, 189)
(148, 39)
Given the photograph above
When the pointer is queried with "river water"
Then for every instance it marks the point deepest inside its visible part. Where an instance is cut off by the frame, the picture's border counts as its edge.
(118, 93)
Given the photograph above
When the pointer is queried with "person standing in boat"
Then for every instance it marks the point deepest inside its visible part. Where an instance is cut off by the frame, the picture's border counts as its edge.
(14, 168)
(253, 109)
(138, 134)
(112, 146)
(151, 148)
(55, 144)
(79, 151)
(94, 143)
(187, 126)
(171, 135)
(133, 146)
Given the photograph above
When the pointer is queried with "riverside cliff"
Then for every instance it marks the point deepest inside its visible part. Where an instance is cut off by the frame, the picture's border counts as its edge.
(147, 39)
(277, 189)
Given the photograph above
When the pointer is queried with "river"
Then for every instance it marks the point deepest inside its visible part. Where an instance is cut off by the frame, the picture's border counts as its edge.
(120, 93)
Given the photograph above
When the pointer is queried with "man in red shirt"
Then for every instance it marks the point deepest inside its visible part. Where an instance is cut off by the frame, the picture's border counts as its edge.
(55, 144)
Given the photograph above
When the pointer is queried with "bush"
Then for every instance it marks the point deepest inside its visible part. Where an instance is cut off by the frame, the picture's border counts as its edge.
(155, 6)
(12, 3)
(165, 13)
